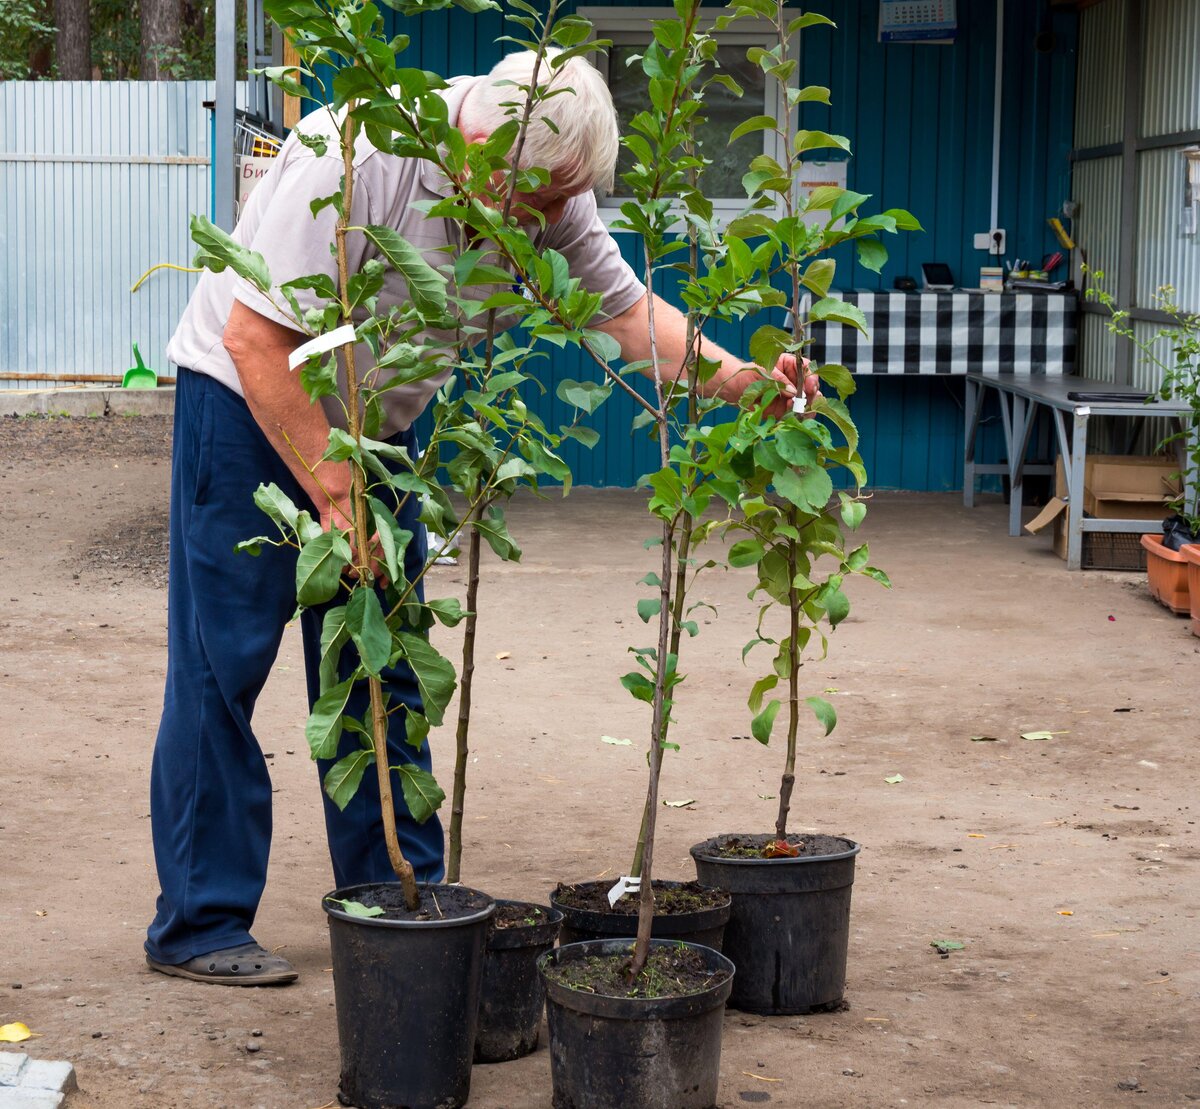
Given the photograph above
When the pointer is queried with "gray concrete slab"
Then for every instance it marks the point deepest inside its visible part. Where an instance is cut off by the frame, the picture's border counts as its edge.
(90, 401)
(27, 1083)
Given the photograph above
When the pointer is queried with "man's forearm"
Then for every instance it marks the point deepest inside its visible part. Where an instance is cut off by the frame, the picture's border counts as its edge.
(295, 427)
(632, 330)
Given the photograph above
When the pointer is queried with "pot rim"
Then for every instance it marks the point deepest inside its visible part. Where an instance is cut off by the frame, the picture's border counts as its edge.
(337, 913)
(636, 1008)
(697, 852)
(521, 936)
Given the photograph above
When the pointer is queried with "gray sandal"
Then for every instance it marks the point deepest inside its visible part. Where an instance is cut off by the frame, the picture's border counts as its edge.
(246, 965)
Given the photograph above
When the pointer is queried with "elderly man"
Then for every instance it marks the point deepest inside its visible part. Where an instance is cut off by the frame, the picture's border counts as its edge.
(241, 418)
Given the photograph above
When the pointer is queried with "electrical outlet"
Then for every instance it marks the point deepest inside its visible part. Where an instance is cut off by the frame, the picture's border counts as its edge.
(991, 241)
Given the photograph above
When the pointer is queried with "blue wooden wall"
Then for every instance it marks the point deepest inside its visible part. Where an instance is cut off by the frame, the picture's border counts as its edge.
(919, 118)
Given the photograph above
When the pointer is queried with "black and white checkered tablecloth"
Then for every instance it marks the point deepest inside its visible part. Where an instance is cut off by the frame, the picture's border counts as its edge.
(952, 333)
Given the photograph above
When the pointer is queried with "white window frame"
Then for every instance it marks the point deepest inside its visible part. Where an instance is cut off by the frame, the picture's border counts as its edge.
(632, 27)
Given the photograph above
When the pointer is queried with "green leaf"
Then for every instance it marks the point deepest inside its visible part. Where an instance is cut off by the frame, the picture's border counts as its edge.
(448, 610)
(393, 539)
(323, 729)
(333, 637)
(872, 254)
(276, 504)
(819, 140)
(422, 794)
(761, 725)
(819, 276)
(639, 685)
(847, 202)
(494, 530)
(616, 742)
(745, 552)
(426, 286)
(344, 778)
(823, 711)
(839, 377)
(1041, 735)
(838, 311)
(894, 780)
(853, 512)
(586, 436)
(754, 123)
(217, 252)
(435, 674)
(319, 567)
(586, 395)
(905, 221)
(761, 688)
(809, 489)
(355, 908)
(944, 947)
(648, 608)
(253, 547)
(368, 629)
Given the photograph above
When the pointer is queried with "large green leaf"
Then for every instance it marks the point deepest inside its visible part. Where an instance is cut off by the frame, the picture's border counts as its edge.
(324, 726)
(808, 489)
(823, 711)
(345, 776)
(217, 251)
(587, 395)
(319, 567)
(393, 539)
(334, 636)
(422, 794)
(368, 629)
(761, 725)
(745, 552)
(435, 674)
(838, 311)
(494, 530)
(426, 286)
(276, 504)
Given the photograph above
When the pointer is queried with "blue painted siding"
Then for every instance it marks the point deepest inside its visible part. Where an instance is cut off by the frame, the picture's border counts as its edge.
(920, 122)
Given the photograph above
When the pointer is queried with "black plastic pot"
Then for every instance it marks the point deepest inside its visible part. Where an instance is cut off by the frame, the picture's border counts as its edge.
(633, 1053)
(407, 994)
(789, 930)
(513, 997)
(705, 927)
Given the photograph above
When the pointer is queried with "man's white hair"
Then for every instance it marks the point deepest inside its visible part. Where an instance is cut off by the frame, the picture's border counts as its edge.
(583, 153)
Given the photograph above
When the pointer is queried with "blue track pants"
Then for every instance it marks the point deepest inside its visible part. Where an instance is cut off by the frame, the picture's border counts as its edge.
(210, 791)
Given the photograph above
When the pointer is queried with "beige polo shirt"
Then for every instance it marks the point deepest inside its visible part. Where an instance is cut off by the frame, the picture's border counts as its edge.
(278, 223)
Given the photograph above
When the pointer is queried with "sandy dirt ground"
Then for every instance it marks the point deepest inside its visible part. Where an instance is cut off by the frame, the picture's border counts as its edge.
(1068, 868)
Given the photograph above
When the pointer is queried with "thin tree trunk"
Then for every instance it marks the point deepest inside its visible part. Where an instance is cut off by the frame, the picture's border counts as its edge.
(73, 43)
(161, 26)
(465, 683)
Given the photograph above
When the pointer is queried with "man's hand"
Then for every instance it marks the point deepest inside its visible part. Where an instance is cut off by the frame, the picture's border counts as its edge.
(340, 516)
(786, 376)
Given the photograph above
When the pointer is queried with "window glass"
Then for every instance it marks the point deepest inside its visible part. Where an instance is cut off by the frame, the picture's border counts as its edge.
(723, 110)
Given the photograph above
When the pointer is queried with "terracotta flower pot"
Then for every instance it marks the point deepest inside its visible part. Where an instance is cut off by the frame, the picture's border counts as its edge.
(1191, 552)
(1168, 571)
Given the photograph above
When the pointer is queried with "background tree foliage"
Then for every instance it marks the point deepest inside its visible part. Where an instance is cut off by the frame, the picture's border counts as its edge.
(108, 40)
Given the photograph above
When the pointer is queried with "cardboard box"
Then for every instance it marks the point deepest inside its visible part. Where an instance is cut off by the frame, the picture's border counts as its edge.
(1115, 487)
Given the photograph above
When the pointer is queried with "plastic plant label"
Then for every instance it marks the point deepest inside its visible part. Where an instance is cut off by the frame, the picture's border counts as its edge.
(798, 402)
(624, 885)
(339, 336)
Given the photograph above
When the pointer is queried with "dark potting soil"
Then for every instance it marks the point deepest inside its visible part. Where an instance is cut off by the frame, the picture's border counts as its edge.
(671, 971)
(519, 914)
(669, 899)
(442, 903)
(751, 847)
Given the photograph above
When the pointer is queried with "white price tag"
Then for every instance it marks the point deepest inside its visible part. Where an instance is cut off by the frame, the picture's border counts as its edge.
(339, 336)
(798, 402)
(624, 886)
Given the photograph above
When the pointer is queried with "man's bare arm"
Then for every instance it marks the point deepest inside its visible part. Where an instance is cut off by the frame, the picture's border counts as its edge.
(259, 348)
(631, 329)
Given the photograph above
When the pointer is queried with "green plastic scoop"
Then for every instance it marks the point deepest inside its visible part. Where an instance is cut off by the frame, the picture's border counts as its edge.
(139, 376)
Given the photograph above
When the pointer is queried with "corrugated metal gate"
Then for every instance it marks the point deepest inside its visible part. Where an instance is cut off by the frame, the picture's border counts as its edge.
(96, 183)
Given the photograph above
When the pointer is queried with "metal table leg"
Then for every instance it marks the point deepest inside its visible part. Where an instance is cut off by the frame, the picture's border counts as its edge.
(972, 409)
(1075, 472)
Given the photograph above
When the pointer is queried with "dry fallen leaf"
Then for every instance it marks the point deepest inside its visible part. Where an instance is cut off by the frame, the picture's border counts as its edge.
(1042, 735)
(14, 1033)
(505, 654)
(976, 835)
(680, 804)
(894, 780)
(1065, 912)
(761, 1078)
(40, 912)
